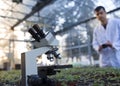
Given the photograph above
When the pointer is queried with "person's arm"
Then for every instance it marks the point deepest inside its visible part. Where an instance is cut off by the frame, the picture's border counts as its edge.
(95, 43)
(116, 43)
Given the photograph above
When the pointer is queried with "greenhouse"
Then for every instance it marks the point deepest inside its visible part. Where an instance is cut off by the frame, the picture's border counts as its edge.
(50, 36)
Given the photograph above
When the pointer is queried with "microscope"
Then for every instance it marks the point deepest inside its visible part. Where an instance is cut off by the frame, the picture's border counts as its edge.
(32, 74)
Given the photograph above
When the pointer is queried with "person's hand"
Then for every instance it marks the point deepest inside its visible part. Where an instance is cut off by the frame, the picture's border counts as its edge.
(100, 48)
(109, 44)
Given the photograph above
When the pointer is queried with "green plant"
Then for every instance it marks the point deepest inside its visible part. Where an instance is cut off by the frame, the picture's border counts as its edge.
(78, 76)
(89, 75)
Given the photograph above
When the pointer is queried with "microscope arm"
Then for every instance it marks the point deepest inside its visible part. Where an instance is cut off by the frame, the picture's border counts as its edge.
(29, 65)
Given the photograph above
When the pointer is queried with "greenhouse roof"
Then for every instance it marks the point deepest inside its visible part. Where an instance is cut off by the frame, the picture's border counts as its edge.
(56, 14)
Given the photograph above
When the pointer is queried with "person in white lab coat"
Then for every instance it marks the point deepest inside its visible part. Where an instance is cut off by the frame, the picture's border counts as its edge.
(105, 39)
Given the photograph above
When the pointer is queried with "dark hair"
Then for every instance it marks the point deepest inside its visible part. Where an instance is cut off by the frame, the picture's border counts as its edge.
(98, 8)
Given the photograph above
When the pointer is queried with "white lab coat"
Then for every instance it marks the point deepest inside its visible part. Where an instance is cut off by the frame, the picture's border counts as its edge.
(100, 36)
(114, 37)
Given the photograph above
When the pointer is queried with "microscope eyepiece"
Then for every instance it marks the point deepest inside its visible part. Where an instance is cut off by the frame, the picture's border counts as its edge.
(34, 34)
(39, 31)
